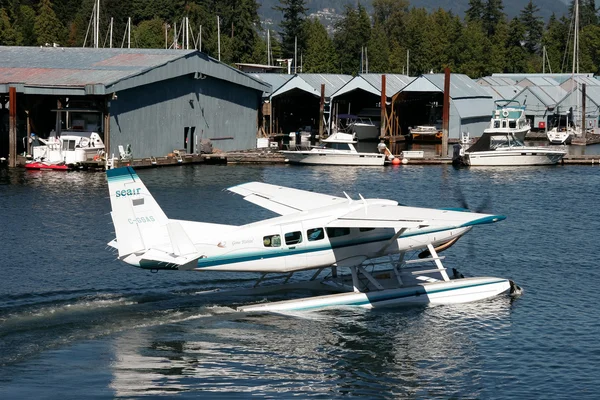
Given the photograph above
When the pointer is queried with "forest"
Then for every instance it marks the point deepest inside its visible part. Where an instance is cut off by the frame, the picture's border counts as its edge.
(482, 42)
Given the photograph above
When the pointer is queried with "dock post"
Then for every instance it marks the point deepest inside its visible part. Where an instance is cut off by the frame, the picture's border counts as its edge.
(383, 124)
(321, 111)
(446, 113)
(583, 127)
(12, 126)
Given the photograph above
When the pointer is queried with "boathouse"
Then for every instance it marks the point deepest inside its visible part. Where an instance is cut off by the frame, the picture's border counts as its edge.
(420, 103)
(152, 101)
(294, 102)
(361, 96)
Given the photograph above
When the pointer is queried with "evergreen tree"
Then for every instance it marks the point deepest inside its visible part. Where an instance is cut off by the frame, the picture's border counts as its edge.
(390, 14)
(516, 55)
(320, 56)
(475, 11)
(440, 38)
(590, 49)
(417, 25)
(48, 28)
(294, 15)
(351, 35)
(24, 24)
(534, 27)
(378, 52)
(8, 35)
(492, 15)
(472, 44)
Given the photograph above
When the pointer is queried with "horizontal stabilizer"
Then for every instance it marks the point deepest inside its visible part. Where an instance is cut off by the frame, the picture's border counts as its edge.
(180, 241)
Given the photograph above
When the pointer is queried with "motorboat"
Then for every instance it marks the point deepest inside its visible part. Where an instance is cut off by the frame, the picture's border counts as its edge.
(337, 149)
(364, 129)
(509, 119)
(425, 133)
(76, 143)
(67, 151)
(504, 149)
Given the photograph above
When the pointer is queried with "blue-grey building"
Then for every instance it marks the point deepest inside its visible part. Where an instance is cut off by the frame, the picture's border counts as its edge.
(153, 100)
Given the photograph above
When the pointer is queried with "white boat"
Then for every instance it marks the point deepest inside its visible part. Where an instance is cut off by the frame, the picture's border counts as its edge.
(364, 129)
(337, 149)
(509, 118)
(496, 149)
(561, 135)
(425, 133)
(68, 148)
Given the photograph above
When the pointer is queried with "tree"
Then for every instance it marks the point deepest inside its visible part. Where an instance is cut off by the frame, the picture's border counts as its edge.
(471, 57)
(294, 15)
(320, 56)
(149, 34)
(378, 51)
(534, 27)
(352, 33)
(417, 25)
(492, 15)
(516, 55)
(48, 28)
(8, 35)
(475, 11)
(390, 14)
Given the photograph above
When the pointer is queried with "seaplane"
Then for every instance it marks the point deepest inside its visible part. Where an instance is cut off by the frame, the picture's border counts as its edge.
(359, 252)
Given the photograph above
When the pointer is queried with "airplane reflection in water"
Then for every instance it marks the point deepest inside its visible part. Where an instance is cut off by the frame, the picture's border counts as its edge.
(373, 239)
(319, 353)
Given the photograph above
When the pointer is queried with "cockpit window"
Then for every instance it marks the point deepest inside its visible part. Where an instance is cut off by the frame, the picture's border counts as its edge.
(272, 241)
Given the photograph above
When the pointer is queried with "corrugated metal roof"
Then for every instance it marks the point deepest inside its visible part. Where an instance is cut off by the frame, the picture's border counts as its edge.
(560, 78)
(461, 86)
(333, 82)
(540, 81)
(474, 108)
(275, 80)
(556, 93)
(296, 83)
(357, 83)
(503, 92)
(78, 67)
(393, 82)
(496, 81)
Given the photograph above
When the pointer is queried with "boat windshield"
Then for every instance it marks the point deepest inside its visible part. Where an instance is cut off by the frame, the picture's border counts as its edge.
(336, 146)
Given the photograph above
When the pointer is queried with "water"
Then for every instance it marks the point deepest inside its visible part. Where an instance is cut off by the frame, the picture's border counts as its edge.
(75, 323)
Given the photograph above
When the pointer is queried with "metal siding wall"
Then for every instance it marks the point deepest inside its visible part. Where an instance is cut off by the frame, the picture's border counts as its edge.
(152, 118)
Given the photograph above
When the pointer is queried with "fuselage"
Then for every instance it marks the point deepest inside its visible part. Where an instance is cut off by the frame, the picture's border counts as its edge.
(305, 240)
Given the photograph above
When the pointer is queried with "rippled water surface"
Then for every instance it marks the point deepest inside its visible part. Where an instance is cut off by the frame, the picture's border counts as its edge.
(75, 322)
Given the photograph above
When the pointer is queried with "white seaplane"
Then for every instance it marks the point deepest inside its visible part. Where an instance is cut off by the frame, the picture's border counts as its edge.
(349, 239)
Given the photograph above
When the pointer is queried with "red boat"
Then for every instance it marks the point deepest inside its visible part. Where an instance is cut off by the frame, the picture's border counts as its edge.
(48, 166)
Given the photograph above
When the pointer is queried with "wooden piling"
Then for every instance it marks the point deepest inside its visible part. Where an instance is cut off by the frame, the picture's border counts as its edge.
(321, 110)
(583, 127)
(383, 123)
(12, 127)
(446, 112)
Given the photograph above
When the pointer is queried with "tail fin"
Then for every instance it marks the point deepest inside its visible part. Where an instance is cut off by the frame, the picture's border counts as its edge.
(141, 226)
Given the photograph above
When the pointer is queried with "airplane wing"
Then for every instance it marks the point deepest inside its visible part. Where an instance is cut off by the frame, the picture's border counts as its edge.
(283, 200)
(400, 217)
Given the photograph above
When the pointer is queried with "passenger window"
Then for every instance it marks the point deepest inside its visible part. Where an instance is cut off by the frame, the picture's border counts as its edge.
(337, 232)
(292, 238)
(365, 229)
(272, 241)
(315, 234)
